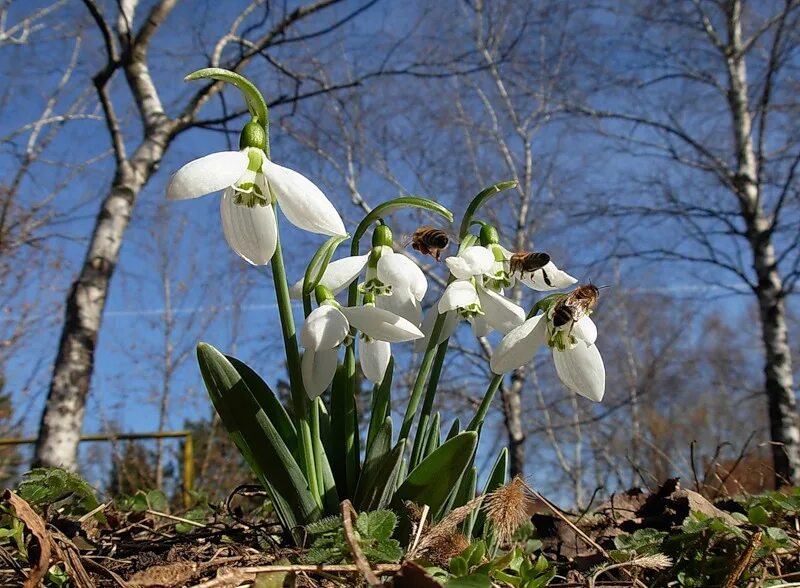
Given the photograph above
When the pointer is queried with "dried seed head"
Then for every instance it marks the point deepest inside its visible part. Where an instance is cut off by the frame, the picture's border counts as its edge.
(446, 546)
(659, 561)
(508, 507)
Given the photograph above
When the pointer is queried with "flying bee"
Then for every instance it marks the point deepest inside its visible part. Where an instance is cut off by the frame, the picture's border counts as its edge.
(529, 262)
(430, 241)
(575, 305)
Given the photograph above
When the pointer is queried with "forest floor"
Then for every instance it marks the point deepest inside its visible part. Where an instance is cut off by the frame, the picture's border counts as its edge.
(54, 532)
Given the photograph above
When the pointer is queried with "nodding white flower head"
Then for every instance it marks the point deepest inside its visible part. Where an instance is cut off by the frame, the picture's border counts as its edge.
(467, 297)
(396, 281)
(578, 362)
(251, 185)
(328, 326)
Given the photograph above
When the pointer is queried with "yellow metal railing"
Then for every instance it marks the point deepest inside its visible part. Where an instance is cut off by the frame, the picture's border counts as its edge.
(188, 451)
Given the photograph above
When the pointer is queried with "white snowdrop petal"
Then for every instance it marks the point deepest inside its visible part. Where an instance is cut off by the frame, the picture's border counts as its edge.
(479, 259)
(585, 330)
(381, 324)
(520, 345)
(558, 279)
(581, 370)
(480, 326)
(206, 175)
(318, 369)
(251, 232)
(302, 202)
(399, 271)
(338, 275)
(402, 303)
(459, 267)
(459, 294)
(501, 313)
(325, 328)
(374, 358)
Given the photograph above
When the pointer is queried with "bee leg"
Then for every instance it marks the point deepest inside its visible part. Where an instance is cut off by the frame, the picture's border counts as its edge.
(546, 278)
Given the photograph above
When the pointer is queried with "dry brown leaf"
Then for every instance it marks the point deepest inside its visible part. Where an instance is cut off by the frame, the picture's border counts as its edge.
(36, 526)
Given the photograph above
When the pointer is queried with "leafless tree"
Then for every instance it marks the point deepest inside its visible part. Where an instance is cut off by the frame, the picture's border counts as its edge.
(707, 91)
(257, 32)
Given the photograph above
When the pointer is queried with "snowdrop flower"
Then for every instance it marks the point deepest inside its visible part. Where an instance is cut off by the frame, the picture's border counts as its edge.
(396, 282)
(251, 184)
(467, 297)
(328, 326)
(576, 358)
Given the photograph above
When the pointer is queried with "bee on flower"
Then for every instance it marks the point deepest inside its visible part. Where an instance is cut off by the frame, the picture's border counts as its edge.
(570, 333)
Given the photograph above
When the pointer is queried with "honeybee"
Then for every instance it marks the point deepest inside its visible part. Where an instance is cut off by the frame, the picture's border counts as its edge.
(575, 305)
(430, 241)
(528, 262)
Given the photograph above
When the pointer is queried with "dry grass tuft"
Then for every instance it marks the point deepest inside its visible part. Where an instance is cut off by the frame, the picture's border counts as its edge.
(508, 507)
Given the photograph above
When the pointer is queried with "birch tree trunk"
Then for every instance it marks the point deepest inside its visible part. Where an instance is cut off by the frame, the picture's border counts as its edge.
(779, 384)
(127, 50)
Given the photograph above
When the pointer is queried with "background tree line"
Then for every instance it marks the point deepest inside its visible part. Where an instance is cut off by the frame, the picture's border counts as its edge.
(656, 149)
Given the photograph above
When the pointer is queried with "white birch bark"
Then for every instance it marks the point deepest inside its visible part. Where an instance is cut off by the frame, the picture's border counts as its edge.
(779, 382)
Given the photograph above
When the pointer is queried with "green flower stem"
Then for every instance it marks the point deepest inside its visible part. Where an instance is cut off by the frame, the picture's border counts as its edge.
(494, 384)
(299, 398)
(350, 421)
(486, 402)
(318, 448)
(479, 200)
(427, 403)
(352, 299)
(422, 375)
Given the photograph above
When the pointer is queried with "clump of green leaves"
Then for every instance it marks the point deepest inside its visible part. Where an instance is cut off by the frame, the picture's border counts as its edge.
(56, 487)
(706, 548)
(373, 532)
(471, 569)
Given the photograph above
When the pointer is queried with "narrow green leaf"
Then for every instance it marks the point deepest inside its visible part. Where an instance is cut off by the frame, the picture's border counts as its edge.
(434, 436)
(319, 263)
(257, 439)
(465, 493)
(338, 414)
(268, 402)
(433, 480)
(380, 447)
(497, 477)
(377, 491)
(455, 429)
(381, 402)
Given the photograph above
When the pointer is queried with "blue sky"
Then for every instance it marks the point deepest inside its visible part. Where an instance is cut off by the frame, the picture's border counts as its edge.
(204, 272)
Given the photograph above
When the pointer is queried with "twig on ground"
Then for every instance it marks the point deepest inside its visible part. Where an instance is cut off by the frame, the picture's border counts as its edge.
(744, 560)
(348, 513)
(420, 526)
(93, 512)
(174, 518)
